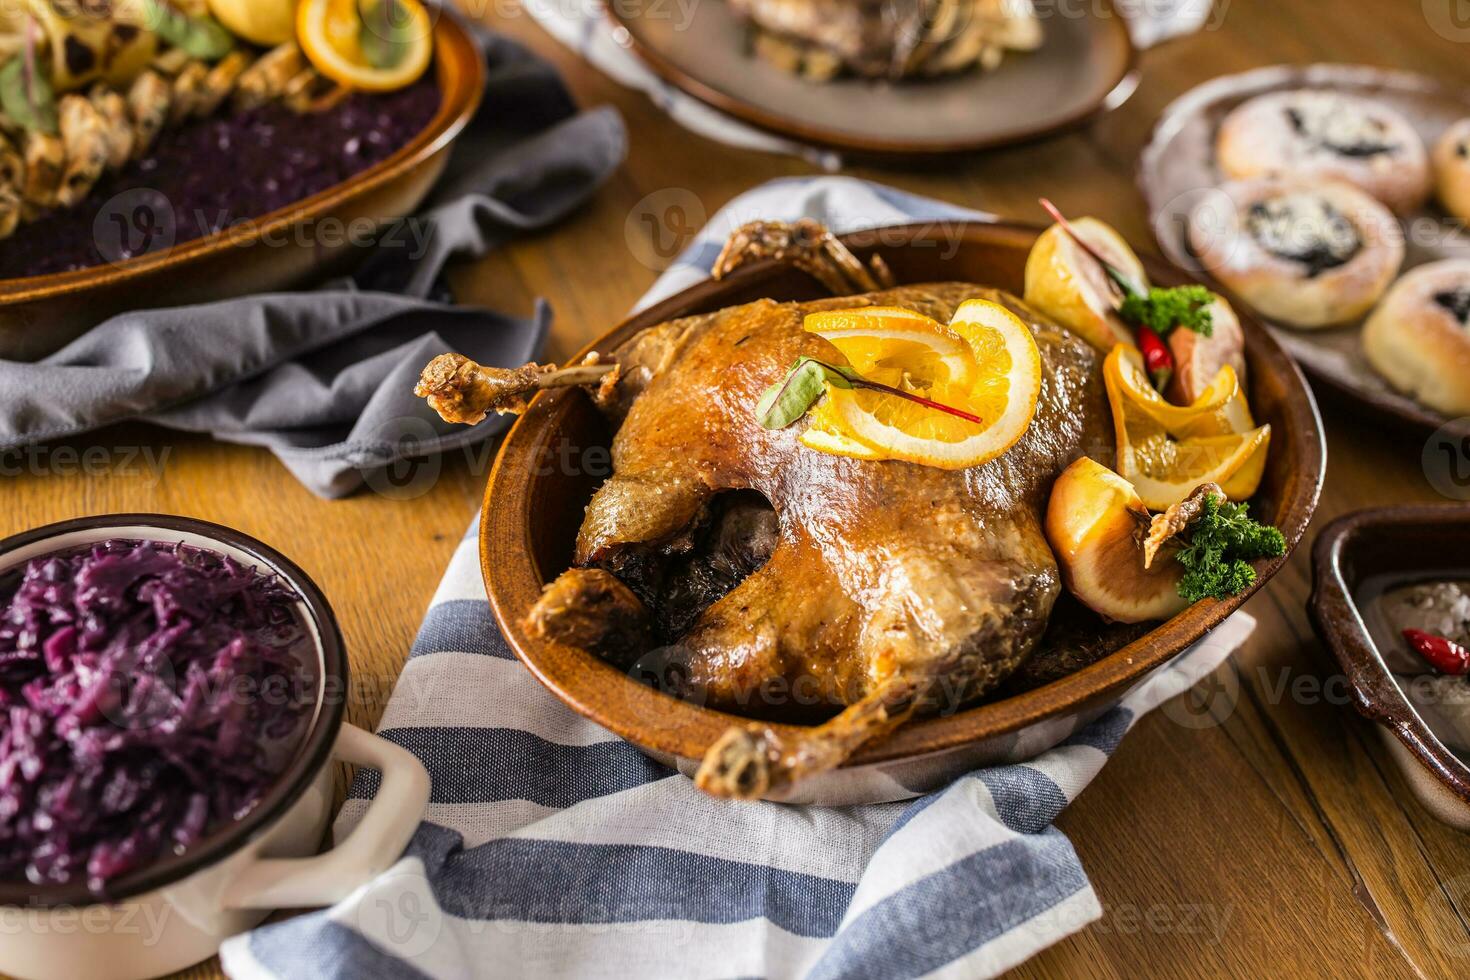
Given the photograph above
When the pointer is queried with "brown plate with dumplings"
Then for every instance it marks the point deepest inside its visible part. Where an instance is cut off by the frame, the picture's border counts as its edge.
(254, 253)
(1180, 169)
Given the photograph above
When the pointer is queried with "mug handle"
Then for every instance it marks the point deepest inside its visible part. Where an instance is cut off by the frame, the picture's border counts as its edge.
(372, 847)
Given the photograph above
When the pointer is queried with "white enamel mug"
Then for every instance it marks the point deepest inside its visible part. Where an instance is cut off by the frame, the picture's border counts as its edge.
(175, 912)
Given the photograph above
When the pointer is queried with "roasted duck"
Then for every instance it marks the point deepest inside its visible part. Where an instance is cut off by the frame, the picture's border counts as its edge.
(883, 589)
(893, 39)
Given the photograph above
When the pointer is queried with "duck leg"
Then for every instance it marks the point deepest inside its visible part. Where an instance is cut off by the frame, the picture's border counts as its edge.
(464, 392)
(752, 762)
(591, 609)
(809, 246)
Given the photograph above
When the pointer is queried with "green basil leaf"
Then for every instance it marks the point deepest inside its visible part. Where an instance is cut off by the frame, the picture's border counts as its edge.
(199, 37)
(29, 101)
(385, 38)
(784, 403)
(790, 399)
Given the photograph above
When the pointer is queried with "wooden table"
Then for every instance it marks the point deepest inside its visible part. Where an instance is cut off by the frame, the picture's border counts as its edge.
(1278, 840)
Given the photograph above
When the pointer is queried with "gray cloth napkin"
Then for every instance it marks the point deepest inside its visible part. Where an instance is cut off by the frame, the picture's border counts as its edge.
(323, 378)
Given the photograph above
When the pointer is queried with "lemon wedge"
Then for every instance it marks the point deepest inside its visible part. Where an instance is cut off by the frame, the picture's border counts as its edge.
(332, 33)
(1221, 407)
(1167, 450)
(264, 22)
(984, 363)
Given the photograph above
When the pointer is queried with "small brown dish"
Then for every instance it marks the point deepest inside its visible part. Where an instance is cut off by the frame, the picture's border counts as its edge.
(535, 499)
(1353, 553)
(1085, 65)
(40, 314)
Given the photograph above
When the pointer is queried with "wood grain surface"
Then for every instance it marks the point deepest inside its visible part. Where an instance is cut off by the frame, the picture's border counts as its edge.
(1253, 827)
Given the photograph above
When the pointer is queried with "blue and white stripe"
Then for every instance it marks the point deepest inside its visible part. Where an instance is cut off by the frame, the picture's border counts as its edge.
(585, 27)
(554, 849)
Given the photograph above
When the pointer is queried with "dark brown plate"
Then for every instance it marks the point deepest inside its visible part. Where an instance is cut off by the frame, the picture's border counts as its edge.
(1178, 166)
(535, 500)
(39, 314)
(1084, 66)
(1411, 542)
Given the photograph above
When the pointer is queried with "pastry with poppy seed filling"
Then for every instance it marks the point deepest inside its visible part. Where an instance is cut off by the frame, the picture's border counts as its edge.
(1306, 254)
(1452, 169)
(1317, 135)
(1419, 337)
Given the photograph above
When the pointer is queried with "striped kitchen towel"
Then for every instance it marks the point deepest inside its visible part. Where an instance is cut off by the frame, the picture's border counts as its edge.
(585, 27)
(554, 849)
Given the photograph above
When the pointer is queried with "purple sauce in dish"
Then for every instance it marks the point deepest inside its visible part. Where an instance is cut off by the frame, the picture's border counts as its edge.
(150, 693)
(213, 173)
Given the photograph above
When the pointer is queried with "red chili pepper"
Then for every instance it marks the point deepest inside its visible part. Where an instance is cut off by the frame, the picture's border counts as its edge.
(1156, 357)
(1444, 655)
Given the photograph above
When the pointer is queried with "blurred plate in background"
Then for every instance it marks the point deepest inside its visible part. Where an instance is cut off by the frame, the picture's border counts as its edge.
(1084, 65)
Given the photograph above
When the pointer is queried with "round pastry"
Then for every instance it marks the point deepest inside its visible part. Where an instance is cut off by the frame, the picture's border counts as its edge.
(1320, 135)
(1419, 337)
(1306, 254)
(1452, 169)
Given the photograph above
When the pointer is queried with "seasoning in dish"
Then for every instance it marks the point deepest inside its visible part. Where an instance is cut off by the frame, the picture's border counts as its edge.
(1424, 640)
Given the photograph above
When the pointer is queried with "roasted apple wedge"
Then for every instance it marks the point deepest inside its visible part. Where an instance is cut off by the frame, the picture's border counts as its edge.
(1073, 288)
(1096, 525)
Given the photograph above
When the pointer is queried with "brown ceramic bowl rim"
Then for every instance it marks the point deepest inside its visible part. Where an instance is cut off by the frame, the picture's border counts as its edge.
(289, 786)
(457, 104)
(1273, 78)
(1376, 695)
(582, 680)
(771, 122)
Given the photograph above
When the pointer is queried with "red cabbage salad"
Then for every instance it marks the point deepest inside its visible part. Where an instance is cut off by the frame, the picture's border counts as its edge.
(150, 693)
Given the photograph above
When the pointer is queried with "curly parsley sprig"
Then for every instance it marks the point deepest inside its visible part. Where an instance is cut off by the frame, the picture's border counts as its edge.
(1221, 545)
(1162, 310)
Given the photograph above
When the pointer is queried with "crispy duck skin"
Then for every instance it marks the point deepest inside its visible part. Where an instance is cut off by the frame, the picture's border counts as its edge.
(894, 587)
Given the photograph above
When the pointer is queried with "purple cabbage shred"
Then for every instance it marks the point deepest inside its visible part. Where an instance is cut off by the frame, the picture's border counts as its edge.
(150, 693)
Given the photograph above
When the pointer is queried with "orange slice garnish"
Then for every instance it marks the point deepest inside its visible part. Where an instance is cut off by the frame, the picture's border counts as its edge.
(984, 363)
(330, 32)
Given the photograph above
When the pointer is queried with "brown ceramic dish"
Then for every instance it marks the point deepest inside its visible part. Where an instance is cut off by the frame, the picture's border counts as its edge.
(533, 508)
(39, 314)
(1411, 542)
(1178, 167)
(1085, 65)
